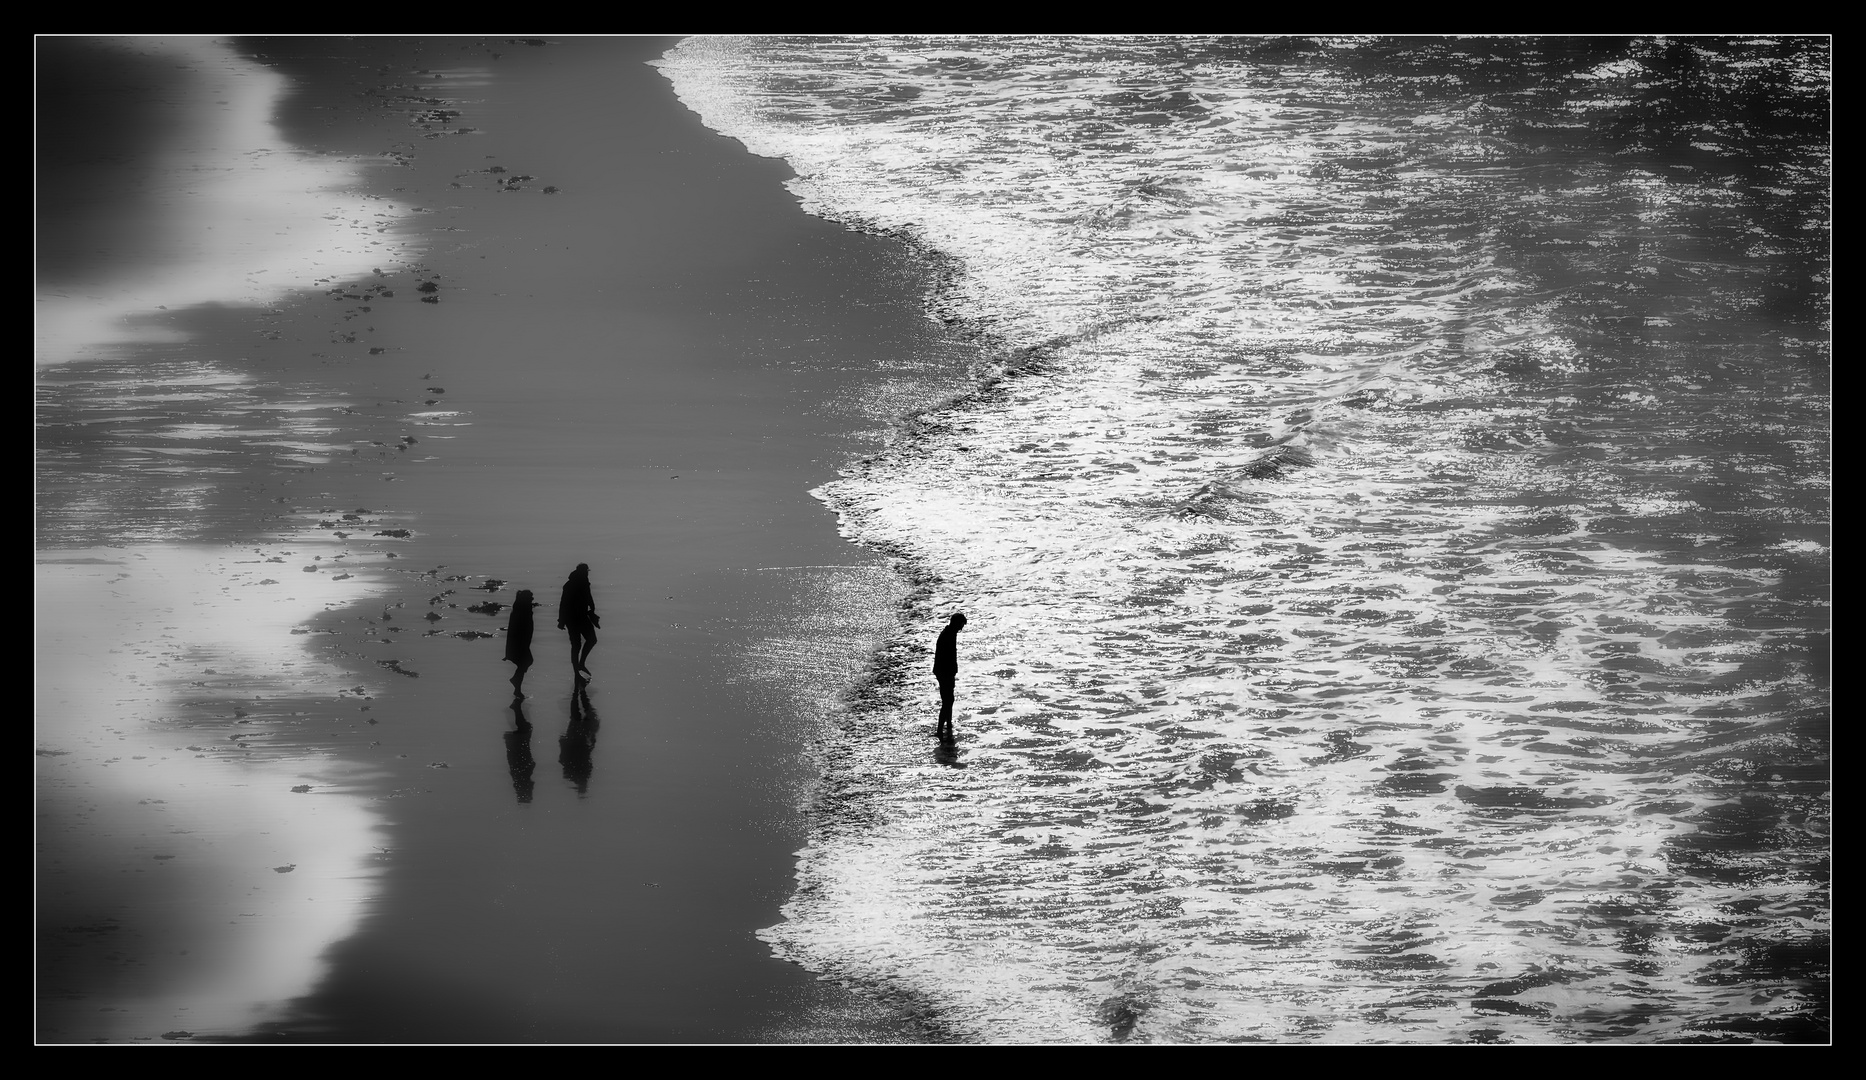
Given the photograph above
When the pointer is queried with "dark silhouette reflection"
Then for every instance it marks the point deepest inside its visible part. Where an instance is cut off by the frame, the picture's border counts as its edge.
(518, 757)
(579, 741)
(946, 751)
(946, 670)
(576, 612)
(518, 640)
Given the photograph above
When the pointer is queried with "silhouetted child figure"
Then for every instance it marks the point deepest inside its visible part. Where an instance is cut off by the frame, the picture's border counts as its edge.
(576, 612)
(518, 640)
(946, 670)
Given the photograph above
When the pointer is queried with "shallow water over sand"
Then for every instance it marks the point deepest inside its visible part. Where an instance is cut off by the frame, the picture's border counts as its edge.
(163, 183)
(179, 763)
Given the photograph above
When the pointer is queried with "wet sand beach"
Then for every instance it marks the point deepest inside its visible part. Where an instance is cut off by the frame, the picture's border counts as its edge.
(283, 791)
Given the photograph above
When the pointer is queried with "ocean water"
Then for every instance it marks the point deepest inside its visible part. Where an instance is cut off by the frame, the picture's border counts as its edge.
(1394, 527)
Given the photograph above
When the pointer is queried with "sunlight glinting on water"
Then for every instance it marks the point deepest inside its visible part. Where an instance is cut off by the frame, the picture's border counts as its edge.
(1362, 645)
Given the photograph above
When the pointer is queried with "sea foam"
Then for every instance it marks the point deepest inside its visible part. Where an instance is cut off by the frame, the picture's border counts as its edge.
(1360, 645)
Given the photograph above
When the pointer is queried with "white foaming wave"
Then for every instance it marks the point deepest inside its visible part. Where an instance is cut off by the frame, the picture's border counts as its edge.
(1278, 723)
(1022, 171)
(1120, 649)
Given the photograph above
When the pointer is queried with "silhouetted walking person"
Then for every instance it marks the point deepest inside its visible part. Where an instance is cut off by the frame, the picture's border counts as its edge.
(946, 669)
(518, 640)
(576, 612)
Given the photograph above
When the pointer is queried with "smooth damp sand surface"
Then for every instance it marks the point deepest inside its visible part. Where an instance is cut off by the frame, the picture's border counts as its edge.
(284, 792)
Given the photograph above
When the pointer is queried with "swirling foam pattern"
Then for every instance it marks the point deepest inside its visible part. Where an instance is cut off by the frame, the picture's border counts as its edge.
(1395, 532)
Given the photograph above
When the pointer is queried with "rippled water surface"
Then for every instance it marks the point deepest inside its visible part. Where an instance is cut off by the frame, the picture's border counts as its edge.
(1395, 535)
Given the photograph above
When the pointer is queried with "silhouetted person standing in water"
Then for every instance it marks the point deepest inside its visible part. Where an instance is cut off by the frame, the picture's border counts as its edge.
(576, 612)
(518, 640)
(946, 670)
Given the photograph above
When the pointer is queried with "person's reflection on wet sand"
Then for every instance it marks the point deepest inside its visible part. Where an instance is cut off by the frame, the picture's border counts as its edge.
(578, 741)
(946, 752)
(518, 754)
